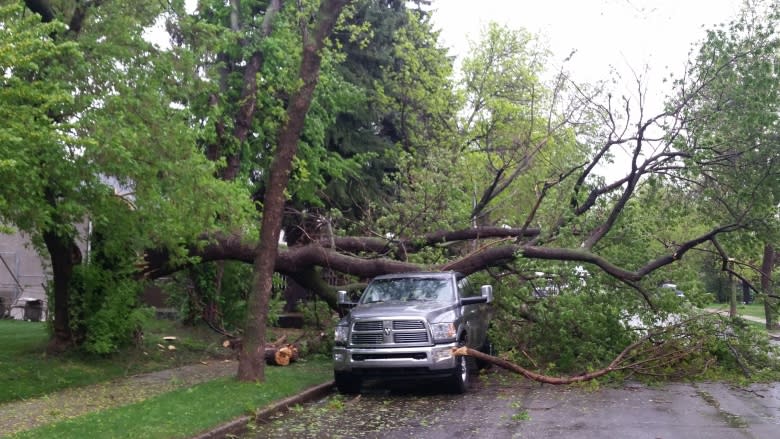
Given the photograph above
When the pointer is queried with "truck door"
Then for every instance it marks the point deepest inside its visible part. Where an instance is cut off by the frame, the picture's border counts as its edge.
(475, 316)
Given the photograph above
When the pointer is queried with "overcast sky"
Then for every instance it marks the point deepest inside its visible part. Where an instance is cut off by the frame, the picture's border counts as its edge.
(648, 37)
(624, 34)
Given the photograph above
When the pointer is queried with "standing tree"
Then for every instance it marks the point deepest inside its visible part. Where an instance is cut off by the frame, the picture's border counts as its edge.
(107, 98)
(252, 357)
(734, 139)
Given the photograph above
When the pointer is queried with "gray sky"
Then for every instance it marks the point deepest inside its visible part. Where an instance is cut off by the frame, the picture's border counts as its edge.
(624, 34)
(650, 38)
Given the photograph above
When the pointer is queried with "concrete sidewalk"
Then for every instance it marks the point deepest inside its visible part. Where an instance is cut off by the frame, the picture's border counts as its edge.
(774, 334)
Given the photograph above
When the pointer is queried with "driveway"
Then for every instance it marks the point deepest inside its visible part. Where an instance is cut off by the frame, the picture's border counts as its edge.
(502, 405)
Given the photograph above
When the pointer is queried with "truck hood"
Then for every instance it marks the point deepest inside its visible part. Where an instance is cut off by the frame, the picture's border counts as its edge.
(430, 311)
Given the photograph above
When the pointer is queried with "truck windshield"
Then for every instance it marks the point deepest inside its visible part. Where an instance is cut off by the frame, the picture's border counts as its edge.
(408, 290)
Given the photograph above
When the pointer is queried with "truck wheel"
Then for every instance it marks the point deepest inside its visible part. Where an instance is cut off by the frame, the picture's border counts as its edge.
(347, 383)
(459, 382)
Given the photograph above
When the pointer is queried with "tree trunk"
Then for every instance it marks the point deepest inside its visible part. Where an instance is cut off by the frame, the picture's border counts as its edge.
(732, 295)
(65, 255)
(252, 358)
(767, 266)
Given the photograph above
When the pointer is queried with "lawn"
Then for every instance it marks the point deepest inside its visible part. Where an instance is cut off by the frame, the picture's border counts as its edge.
(186, 412)
(28, 372)
(755, 309)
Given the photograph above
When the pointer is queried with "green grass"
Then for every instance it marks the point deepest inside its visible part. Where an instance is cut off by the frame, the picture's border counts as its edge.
(28, 372)
(753, 309)
(186, 412)
(756, 325)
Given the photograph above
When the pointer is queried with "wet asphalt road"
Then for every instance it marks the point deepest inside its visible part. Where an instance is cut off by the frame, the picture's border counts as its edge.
(501, 405)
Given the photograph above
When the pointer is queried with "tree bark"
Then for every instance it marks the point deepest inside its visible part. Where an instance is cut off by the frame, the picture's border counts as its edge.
(64, 255)
(251, 360)
(500, 362)
(42, 7)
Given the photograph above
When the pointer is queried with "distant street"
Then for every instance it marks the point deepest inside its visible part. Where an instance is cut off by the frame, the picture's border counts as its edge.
(502, 405)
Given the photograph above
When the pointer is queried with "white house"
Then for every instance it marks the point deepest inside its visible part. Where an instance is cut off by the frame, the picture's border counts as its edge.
(22, 277)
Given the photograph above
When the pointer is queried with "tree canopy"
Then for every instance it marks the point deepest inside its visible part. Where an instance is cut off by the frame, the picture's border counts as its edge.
(344, 125)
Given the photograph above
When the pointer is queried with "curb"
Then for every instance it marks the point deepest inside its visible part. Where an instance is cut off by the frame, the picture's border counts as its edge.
(238, 426)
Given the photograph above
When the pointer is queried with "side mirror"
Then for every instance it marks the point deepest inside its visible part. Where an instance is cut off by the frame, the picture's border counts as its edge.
(343, 300)
(487, 292)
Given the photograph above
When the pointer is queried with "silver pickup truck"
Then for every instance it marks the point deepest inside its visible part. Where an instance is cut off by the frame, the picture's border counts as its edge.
(405, 325)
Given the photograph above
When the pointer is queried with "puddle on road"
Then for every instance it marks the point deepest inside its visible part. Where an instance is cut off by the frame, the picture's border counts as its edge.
(731, 419)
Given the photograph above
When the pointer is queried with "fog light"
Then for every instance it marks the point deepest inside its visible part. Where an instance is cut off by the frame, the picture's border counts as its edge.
(338, 357)
(443, 354)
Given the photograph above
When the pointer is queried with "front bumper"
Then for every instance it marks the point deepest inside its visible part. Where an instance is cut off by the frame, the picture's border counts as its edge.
(395, 362)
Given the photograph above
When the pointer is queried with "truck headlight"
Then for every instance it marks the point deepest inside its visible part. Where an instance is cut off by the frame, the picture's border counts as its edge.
(443, 331)
(340, 336)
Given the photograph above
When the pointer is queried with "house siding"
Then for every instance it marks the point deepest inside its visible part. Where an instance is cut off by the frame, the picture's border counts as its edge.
(22, 272)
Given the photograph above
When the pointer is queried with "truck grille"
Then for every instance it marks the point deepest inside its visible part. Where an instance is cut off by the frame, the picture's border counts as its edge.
(410, 337)
(408, 324)
(372, 325)
(367, 338)
(389, 332)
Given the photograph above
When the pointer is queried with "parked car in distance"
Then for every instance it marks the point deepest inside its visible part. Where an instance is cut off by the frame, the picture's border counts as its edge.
(671, 286)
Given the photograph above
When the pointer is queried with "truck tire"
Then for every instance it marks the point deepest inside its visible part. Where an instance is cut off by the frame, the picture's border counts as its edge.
(461, 376)
(347, 383)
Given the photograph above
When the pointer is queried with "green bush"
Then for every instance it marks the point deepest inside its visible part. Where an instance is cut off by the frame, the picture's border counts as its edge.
(218, 291)
(105, 312)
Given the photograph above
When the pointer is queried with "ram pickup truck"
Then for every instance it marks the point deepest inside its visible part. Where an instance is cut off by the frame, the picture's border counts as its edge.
(405, 325)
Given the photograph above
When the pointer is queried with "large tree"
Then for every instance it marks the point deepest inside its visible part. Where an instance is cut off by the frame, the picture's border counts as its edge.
(252, 358)
(734, 136)
(91, 156)
(577, 230)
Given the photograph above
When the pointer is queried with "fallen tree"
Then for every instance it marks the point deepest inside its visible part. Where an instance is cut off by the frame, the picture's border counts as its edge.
(366, 257)
(660, 353)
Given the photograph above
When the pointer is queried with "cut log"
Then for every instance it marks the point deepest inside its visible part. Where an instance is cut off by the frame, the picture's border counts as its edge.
(281, 355)
(233, 344)
(278, 353)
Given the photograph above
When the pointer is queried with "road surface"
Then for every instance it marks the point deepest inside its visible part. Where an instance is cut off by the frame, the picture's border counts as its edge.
(501, 405)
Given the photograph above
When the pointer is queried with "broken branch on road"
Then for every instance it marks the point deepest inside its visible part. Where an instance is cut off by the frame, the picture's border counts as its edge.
(653, 352)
